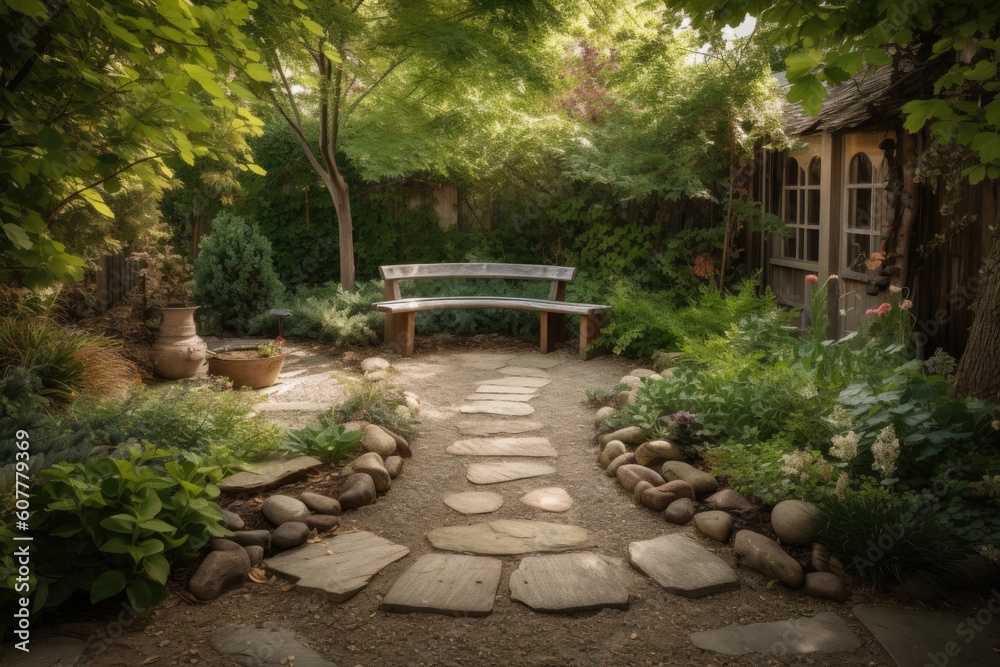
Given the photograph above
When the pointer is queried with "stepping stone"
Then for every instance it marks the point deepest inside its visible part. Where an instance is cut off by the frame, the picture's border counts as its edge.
(497, 426)
(498, 408)
(48, 652)
(922, 636)
(268, 474)
(255, 646)
(446, 584)
(536, 361)
(501, 389)
(517, 398)
(549, 499)
(569, 582)
(493, 473)
(503, 447)
(482, 361)
(519, 382)
(522, 371)
(682, 567)
(474, 502)
(824, 633)
(508, 537)
(341, 568)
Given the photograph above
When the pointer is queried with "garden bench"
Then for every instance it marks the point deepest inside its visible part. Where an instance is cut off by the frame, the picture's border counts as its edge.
(400, 313)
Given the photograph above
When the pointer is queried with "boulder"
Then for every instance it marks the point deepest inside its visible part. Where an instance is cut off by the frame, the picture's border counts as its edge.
(729, 500)
(716, 524)
(625, 398)
(642, 372)
(371, 464)
(611, 451)
(601, 415)
(280, 509)
(659, 498)
(637, 492)
(249, 538)
(256, 555)
(289, 535)
(232, 521)
(794, 521)
(630, 435)
(699, 479)
(412, 404)
(374, 364)
(219, 544)
(627, 457)
(827, 586)
(377, 440)
(766, 556)
(657, 451)
(358, 491)
(320, 503)
(680, 511)
(402, 444)
(394, 466)
(631, 474)
(322, 522)
(219, 571)
(631, 381)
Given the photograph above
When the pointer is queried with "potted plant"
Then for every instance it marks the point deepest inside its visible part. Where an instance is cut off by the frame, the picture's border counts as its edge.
(249, 366)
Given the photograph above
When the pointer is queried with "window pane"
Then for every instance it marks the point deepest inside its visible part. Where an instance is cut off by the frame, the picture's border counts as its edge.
(812, 245)
(802, 243)
(789, 249)
(812, 209)
(814, 170)
(859, 208)
(791, 206)
(859, 246)
(791, 172)
(861, 169)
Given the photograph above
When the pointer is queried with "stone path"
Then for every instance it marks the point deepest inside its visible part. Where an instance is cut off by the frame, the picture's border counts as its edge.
(446, 584)
(825, 632)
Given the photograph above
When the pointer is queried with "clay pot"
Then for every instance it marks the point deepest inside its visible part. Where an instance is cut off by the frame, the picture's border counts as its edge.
(179, 351)
(253, 373)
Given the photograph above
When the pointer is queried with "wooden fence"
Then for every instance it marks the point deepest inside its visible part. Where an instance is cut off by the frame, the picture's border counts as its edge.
(115, 277)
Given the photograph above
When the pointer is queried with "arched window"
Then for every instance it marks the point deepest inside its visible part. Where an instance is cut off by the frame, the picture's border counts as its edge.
(800, 211)
(866, 211)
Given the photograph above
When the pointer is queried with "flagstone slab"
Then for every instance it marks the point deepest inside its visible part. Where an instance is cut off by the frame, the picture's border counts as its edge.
(483, 361)
(254, 646)
(474, 502)
(549, 499)
(523, 371)
(494, 473)
(268, 474)
(509, 537)
(569, 583)
(529, 446)
(48, 652)
(502, 389)
(498, 426)
(824, 633)
(924, 636)
(448, 584)
(516, 398)
(507, 408)
(536, 361)
(682, 567)
(519, 382)
(341, 567)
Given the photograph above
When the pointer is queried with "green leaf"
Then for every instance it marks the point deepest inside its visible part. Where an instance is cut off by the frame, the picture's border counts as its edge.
(93, 197)
(149, 507)
(116, 545)
(49, 139)
(987, 144)
(108, 584)
(119, 523)
(157, 568)
(801, 63)
(313, 27)
(16, 235)
(257, 169)
(139, 595)
(32, 8)
(205, 79)
(258, 72)
(877, 57)
(158, 526)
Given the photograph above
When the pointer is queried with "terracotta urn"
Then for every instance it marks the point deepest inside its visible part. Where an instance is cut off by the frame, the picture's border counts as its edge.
(255, 372)
(179, 351)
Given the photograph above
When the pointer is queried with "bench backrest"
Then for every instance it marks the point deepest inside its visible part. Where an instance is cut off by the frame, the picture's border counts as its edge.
(558, 276)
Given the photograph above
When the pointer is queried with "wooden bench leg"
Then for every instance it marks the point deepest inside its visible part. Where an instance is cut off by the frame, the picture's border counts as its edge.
(391, 329)
(399, 332)
(553, 331)
(590, 329)
(409, 327)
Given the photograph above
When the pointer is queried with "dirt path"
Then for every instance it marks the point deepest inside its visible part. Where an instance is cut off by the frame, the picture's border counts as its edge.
(653, 631)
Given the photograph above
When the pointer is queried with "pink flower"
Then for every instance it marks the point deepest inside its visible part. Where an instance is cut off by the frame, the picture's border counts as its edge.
(870, 312)
(883, 309)
(812, 280)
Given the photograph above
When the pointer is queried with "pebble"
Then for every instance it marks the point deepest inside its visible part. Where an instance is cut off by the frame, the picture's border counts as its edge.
(679, 512)
(279, 509)
(289, 535)
(320, 503)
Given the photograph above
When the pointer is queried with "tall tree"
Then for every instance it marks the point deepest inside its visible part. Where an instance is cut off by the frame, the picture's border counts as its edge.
(93, 91)
(370, 70)
(830, 43)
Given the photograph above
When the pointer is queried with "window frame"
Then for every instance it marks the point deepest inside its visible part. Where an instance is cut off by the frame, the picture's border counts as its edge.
(878, 202)
(804, 186)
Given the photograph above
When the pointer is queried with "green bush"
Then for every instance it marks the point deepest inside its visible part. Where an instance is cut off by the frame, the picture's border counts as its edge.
(377, 403)
(886, 541)
(115, 524)
(333, 315)
(235, 281)
(328, 443)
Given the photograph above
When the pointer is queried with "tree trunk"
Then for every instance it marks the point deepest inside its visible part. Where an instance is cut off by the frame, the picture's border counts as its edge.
(909, 201)
(345, 228)
(978, 372)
